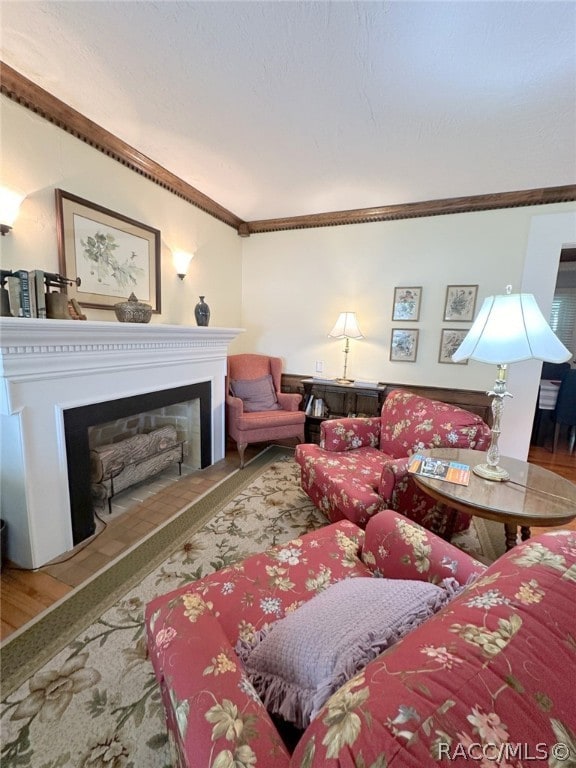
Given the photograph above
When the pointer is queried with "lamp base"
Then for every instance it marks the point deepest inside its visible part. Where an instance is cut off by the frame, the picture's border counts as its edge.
(491, 473)
(344, 381)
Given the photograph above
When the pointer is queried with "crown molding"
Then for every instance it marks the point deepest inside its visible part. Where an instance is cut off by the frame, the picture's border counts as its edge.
(470, 204)
(23, 91)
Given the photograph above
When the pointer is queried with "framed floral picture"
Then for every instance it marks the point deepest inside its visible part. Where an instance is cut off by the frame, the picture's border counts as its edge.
(404, 345)
(460, 303)
(113, 256)
(450, 340)
(406, 303)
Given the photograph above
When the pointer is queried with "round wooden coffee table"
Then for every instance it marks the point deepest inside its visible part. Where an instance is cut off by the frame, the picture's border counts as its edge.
(532, 495)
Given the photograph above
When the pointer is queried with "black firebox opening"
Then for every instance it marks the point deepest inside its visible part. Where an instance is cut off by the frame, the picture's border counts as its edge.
(77, 421)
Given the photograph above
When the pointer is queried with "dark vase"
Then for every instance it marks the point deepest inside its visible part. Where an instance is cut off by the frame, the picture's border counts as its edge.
(202, 312)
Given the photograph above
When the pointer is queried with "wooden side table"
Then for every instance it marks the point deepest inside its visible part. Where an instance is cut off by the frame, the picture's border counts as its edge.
(340, 400)
(532, 495)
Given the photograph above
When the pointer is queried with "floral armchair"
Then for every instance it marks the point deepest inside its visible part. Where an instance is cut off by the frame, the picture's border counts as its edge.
(487, 672)
(360, 466)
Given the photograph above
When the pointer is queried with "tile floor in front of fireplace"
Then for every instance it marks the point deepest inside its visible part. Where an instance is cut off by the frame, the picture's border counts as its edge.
(136, 512)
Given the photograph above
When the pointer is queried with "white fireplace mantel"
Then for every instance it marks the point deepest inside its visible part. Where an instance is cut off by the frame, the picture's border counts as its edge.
(48, 366)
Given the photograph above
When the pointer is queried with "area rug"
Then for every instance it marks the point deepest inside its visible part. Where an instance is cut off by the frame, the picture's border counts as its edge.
(77, 688)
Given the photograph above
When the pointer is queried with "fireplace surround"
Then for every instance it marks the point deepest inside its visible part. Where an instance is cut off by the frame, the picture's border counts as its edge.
(51, 368)
(78, 420)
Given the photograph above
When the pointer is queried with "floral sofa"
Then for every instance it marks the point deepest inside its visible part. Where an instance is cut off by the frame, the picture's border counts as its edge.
(486, 675)
(360, 466)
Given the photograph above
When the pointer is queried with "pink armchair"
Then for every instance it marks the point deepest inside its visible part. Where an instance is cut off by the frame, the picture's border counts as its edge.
(360, 466)
(256, 410)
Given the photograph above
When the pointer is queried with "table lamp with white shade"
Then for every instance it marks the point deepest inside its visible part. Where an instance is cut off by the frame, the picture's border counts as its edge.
(508, 329)
(346, 327)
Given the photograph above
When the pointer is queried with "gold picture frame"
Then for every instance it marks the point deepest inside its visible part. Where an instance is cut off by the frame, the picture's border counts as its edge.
(404, 345)
(460, 303)
(450, 340)
(113, 255)
(406, 305)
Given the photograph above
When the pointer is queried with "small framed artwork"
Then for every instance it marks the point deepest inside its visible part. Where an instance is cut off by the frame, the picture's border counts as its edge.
(460, 303)
(450, 340)
(406, 304)
(404, 345)
(113, 256)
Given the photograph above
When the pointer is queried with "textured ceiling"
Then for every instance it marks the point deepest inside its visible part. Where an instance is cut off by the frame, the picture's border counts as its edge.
(289, 108)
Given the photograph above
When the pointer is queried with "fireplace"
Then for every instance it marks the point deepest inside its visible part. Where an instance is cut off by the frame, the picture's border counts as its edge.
(77, 422)
(58, 376)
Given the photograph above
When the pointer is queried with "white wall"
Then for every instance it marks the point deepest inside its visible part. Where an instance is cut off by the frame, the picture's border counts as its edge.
(38, 157)
(287, 288)
(295, 283)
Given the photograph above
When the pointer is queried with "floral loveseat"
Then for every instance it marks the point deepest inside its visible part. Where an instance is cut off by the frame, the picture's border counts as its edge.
(360, 466)
(489, 671)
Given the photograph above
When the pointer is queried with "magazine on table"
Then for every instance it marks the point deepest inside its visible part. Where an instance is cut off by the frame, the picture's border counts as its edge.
(440, 469)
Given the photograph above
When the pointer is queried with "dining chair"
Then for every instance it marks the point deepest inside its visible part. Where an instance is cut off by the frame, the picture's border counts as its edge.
(565, 411)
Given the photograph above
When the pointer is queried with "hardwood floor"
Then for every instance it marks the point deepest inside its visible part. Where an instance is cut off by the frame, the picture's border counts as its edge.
(25, 594)
(562, 463)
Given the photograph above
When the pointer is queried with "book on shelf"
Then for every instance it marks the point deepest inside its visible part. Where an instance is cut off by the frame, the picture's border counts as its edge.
(318, 410)
(440, 469)
(25, 305)
(309, 405)
(13, 285)
(40, 292)
(27, 293)
(32, 292)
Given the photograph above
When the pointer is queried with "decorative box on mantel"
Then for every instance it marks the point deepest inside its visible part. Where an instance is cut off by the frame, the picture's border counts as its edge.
(53, 368)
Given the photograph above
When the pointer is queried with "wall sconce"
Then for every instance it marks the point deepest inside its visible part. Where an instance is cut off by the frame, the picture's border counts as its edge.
(346, 327)
(182, 261)
(10, 202)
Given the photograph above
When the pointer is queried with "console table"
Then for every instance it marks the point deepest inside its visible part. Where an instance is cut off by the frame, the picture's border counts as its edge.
(367, 399)
(532, 495)
(340, 400)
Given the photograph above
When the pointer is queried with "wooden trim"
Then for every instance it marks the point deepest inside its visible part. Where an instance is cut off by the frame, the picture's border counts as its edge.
(472, 400)
(23, 91)
(470, 204)
(18, 88)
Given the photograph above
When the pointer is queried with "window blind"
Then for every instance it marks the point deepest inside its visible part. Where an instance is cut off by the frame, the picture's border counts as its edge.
(563, 316)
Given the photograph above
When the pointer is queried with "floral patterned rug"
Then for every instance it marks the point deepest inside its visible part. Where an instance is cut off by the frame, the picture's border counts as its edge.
(95, 703)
